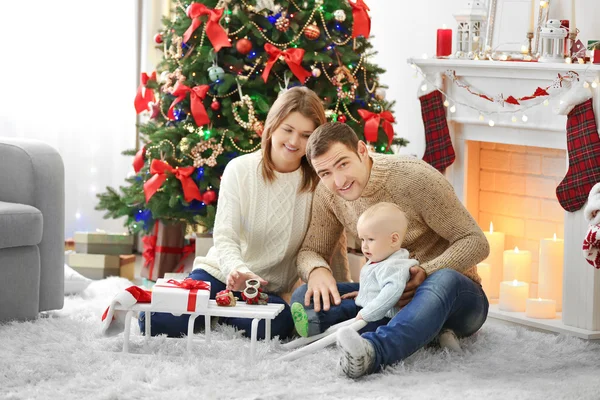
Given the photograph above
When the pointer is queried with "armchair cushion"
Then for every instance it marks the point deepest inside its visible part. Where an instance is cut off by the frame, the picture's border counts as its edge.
(21, 225)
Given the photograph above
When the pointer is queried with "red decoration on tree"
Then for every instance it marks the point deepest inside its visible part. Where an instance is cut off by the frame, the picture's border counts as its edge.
(214, 31)
(144, 96)
(243, 46)
(439, 152)
(209, 197)
(159, 169)
(342, 119)
(312, 32)
(372, 124)
(197, 94)
(215, 105)
(158, 39)
(362, 21)
(293, 58)
(138, 160)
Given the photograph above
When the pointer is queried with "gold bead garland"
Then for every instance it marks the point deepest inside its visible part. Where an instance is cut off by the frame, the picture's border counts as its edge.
(198, 151)
(247, 102)
(342, 43)
(151, 148)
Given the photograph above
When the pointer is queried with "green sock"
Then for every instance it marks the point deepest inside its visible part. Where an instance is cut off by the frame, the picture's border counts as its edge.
(300, 319)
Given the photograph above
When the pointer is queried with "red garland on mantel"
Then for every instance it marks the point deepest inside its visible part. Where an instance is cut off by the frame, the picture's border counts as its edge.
(539, 92)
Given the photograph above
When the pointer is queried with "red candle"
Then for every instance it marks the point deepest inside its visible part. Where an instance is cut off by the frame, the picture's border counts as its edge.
(444, 42)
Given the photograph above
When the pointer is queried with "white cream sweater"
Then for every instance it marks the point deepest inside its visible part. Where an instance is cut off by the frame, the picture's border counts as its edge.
(259, 226)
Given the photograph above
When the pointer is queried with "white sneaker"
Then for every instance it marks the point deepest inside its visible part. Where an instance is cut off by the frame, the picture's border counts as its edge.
(358, 354)
(448, 339)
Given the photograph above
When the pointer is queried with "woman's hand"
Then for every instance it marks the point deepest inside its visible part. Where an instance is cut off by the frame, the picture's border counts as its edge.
(236, 280)
(351, 295)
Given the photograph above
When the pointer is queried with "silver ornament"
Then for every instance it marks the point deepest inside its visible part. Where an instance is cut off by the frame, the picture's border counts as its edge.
(339, 15)
(380, 94)
(316, 72)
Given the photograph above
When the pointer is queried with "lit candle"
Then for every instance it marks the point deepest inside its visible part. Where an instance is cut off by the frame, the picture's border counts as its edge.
(540, 308)
(485, 273)
(531, 19)
(517, 265)
(513, 296)
(444, 42)
(495, 259)
(572, 26)
(550, 270)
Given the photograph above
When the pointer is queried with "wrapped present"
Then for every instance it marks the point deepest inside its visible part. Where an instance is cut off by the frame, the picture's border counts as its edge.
(163, 250)
(180, 296)
(103, 243)
(127, 266)
(95, 266)
(69, 244)
(225, 298)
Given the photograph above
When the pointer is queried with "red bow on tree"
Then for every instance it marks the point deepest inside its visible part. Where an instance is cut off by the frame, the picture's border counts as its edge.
(138, 160)
(293, 58)
(197, 94)
(372, 124)
(362, 21)
(144, 95)
(159, 169)
(215, 32)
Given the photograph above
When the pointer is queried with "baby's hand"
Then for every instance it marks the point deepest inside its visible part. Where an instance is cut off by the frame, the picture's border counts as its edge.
(351, 295)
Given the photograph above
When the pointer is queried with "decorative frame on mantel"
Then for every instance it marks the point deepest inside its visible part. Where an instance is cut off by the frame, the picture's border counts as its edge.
(581, 282)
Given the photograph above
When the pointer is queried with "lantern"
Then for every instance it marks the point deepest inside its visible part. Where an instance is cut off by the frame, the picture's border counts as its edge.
(553, 42)
(470, 27)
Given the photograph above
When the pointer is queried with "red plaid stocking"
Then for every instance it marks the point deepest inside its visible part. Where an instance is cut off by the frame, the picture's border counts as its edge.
(583, 145)
(439, 152)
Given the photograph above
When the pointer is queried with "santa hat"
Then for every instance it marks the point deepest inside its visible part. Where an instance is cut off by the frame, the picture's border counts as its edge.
(592, 209)
(113, 321)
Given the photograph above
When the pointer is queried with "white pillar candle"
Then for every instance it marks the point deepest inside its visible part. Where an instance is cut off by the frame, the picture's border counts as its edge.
(495, 259)
(484, 271)
(550, 270)
(517, 265)
(513, 296)
(572, 25)
(540, 308)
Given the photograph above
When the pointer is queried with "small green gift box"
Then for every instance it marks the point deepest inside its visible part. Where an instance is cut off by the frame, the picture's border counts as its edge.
(103, 243)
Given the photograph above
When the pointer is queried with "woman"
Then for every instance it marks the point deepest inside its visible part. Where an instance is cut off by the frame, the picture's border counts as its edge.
(263, 214)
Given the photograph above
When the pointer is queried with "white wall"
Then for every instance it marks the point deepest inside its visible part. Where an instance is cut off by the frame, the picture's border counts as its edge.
(405, 29)
(68, 79)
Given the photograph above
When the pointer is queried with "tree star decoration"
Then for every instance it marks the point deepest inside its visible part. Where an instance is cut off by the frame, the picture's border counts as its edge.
(199, 150)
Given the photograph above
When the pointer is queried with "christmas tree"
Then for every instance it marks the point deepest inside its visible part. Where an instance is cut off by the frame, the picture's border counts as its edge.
(224, 64)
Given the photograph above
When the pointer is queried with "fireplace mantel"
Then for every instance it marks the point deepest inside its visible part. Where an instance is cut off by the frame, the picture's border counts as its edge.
(544, 128)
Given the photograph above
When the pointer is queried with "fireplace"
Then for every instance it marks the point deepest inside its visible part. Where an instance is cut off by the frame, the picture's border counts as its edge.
(506, 173)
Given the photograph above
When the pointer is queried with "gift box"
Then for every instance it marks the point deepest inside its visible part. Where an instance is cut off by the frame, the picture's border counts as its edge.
(163, 250)
(127, 266)
(69, 244)
(95, 266)
(103, 243)
(180, 296)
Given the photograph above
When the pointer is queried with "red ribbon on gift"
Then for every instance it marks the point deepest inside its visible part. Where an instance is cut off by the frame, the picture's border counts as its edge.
(293, 58)
(372, 124)
(188, 284)
(215, 32)
(187, 250)
(144, 96)
(197, 95)
(159, 169)
(138, 160)
(362, 21)
(150, 250)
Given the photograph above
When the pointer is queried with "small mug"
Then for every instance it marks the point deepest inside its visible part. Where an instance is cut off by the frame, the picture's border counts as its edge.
(253, 283)
(251, 292)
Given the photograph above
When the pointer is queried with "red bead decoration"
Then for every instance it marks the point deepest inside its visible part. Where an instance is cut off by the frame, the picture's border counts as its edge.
(342, 119)
(209, 197)
(312, 32)
(215, 105)
(158, 39)
(243, 46)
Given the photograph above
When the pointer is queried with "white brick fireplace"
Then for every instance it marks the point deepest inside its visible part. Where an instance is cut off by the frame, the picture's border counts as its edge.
(507, 174)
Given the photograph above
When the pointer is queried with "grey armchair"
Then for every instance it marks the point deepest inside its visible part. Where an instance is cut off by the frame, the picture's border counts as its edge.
(32, 215)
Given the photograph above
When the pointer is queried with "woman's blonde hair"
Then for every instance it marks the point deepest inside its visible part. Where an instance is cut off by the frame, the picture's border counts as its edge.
(306, 102)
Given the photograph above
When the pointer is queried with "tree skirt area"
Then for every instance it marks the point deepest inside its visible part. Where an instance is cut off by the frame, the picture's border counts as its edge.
(64, 356)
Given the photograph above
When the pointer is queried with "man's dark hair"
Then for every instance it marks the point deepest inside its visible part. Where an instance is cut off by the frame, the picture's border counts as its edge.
(328, 134)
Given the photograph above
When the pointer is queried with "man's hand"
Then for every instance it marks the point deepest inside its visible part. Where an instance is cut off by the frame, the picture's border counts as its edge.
(237, 280)
(417, 276)
(321, 285)
(351, 295)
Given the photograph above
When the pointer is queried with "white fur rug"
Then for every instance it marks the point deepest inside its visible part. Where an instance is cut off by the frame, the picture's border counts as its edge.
(64, 357)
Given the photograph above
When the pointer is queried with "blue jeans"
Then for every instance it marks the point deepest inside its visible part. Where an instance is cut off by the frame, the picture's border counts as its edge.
(445, 300)
(346, 310)
(176, 326)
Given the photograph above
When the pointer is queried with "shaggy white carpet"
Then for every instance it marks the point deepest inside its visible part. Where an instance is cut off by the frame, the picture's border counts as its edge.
(64, 357)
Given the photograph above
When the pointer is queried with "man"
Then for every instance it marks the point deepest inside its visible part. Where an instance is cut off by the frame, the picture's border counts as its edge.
(444, 292)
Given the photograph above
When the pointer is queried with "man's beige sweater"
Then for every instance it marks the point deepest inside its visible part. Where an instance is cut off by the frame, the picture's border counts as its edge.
(441, 232)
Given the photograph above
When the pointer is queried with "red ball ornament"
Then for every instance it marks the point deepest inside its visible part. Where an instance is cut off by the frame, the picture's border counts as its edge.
(158, 39)
(312, 32)
(215, 105)
(209, 197)
(342, 119)
(243, 46)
